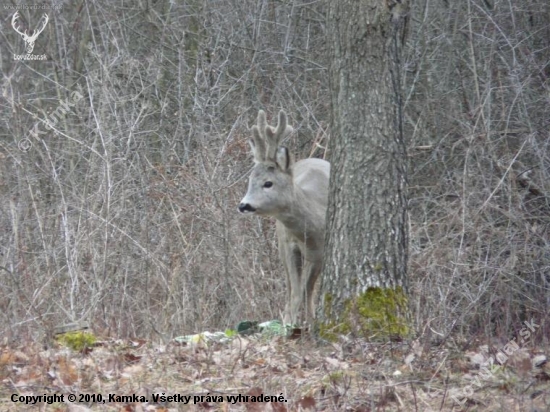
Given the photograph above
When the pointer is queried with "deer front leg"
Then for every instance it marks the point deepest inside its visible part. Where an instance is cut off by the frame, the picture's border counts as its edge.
(291, 257)
(284, 256)
(295, 291)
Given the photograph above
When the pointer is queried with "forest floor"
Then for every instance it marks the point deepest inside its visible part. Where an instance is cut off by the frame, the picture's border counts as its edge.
(138, 375)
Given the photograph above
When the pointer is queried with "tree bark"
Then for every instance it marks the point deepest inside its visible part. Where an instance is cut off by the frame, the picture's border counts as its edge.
(365, 264)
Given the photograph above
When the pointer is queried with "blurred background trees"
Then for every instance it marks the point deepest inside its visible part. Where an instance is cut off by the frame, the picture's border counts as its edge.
(125, 213)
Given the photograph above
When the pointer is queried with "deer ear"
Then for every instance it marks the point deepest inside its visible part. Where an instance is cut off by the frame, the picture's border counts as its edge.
(284, 159)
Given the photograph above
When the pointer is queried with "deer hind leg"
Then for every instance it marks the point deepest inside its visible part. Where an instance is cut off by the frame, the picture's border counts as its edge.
(311, 274)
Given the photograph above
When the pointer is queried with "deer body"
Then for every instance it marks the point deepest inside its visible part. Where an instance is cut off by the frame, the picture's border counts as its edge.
(296, 194)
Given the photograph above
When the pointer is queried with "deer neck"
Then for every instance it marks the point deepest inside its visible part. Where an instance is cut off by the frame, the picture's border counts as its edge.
(302, 221)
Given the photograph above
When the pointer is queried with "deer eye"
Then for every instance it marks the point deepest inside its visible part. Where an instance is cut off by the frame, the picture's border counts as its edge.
(267, 185)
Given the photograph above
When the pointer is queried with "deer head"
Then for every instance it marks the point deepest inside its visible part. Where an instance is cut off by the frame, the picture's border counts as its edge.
(270, 184)
(29, 40)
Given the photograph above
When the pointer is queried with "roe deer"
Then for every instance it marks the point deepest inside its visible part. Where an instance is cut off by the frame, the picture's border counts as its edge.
(296, 194)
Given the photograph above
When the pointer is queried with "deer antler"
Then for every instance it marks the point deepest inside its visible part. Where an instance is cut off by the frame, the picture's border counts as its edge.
(257, 143)
(14, 22)
(41, 26)
(265, 138)
(274, 136)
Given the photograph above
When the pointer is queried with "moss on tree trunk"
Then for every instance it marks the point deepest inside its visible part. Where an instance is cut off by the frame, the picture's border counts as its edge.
(378, 313)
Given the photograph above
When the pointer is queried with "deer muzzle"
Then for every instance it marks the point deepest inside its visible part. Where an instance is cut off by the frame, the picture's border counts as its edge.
(246, 208)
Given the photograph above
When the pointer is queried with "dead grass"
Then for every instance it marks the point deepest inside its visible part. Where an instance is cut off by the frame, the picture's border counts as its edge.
(349, 376)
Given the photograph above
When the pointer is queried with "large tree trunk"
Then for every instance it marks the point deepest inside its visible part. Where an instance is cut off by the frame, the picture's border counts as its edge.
(365, 263)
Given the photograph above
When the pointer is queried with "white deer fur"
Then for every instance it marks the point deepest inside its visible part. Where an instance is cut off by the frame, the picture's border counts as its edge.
(295, 194)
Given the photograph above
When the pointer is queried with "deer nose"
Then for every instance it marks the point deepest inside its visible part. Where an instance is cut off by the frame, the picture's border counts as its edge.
(246, 207)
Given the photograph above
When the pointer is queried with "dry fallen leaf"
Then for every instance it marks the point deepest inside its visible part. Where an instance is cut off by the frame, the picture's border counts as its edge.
(307, 402)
